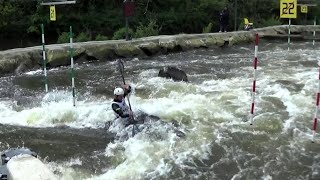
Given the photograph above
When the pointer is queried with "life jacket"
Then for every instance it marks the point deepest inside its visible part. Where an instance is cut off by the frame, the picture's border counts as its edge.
(123, 106)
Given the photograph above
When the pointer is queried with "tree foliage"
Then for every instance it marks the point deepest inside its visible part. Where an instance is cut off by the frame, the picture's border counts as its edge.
(94, 19)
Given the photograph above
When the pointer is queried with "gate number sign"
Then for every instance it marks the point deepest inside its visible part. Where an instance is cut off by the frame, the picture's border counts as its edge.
(52, 13)
(304, 9)
(288, 8)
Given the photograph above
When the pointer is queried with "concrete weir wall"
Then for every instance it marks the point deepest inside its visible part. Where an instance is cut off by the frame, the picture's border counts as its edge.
(16, 61)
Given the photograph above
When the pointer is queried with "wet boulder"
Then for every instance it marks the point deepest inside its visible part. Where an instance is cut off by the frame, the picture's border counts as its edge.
(173, 73)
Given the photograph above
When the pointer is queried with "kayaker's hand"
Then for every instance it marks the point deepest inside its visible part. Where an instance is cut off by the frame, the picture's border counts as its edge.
(131, 114)
(126, 87)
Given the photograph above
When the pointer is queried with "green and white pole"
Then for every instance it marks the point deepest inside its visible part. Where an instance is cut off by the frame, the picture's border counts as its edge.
(44, 59)
(314, 31)
(72, 70)
(289, 31)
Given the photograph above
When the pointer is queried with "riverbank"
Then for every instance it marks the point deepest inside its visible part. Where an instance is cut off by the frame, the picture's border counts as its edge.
(23, 59)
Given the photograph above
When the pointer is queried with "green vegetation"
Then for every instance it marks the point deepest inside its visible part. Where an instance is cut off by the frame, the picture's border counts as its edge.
(100, 19)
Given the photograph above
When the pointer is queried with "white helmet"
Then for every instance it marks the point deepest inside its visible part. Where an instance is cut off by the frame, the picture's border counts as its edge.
(118, 91)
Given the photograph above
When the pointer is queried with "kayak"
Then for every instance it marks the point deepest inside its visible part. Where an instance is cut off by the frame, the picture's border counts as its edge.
(148, 124)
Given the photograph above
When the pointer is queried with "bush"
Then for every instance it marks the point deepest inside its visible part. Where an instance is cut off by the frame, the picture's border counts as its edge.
(63, 38)
(151, 29)
(82, 37)
(273, 21)
(207, 29)
(241, 26)
(100, 37)
(121, 33)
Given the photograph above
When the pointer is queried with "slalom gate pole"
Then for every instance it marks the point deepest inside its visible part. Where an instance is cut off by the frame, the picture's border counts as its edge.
(314, 31)
(255, 64)
(289, 31)
(315, 122)
(72, 69)
(44, 59)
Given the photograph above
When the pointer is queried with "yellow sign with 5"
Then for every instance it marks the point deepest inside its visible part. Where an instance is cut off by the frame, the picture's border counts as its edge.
(288, 8)
(52, 13)
(304, 9)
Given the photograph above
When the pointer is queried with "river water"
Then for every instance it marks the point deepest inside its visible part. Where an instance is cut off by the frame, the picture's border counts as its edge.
(213, 108)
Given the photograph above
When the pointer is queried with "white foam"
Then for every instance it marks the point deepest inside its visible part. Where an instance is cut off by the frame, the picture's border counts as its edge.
(39, 71)
(57, 109)
(203, 108)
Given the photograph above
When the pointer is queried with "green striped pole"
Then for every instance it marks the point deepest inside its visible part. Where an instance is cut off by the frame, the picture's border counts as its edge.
(72, 70)
(44, 59)
(314, 31)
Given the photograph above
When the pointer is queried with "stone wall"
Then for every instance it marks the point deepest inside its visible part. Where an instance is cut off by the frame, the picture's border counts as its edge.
(19, 60)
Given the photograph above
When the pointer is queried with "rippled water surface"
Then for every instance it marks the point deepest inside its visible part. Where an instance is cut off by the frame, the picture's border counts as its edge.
(213, 108)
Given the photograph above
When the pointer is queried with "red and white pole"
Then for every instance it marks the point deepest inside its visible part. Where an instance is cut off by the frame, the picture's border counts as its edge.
(255, 64)
(315, 122)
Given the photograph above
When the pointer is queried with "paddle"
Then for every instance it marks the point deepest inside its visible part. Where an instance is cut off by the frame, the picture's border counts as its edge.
(121, 70)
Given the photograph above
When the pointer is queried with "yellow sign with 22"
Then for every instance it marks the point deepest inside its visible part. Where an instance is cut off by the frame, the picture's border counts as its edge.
(288, 8)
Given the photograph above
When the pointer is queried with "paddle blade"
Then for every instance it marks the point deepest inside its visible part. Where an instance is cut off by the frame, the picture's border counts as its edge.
(120, 66)
(179, 133)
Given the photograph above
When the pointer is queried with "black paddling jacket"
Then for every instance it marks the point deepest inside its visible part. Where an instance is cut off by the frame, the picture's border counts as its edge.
(116, 107)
